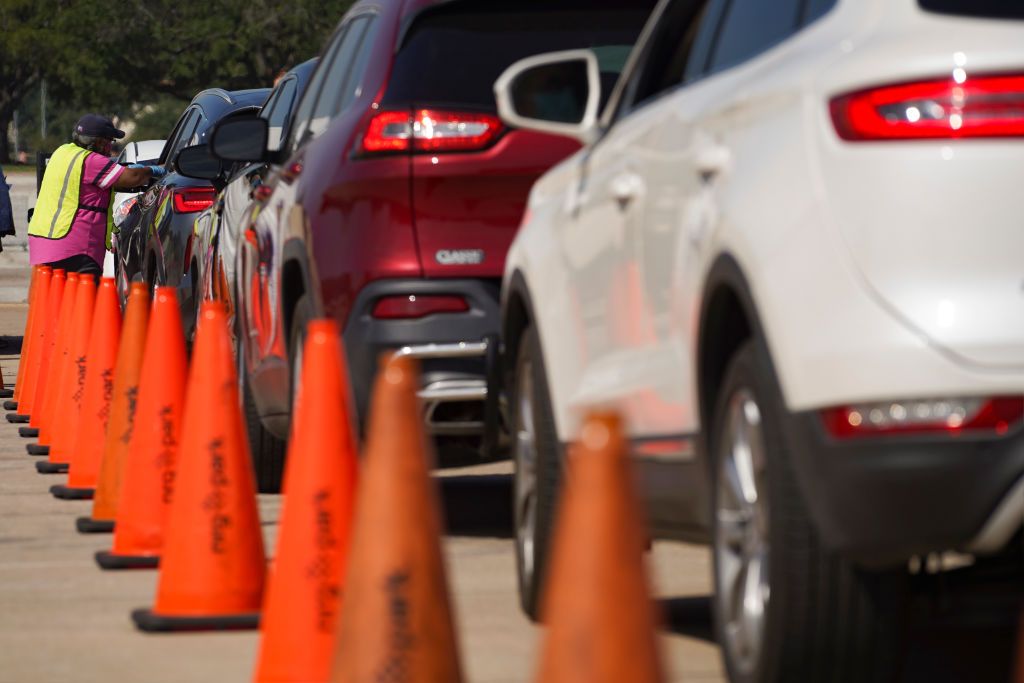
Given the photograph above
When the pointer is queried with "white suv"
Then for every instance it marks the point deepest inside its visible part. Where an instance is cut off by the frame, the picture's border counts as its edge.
(791, 253)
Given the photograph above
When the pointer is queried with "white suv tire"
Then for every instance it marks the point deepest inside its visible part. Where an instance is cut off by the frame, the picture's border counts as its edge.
(823, 618)
(537, 463)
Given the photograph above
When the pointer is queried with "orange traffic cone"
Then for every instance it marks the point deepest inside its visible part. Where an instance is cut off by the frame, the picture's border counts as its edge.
(84, 466)
(397, 621)
(60, 351)
(301, 608)
(72, 378)
(54, 299)
(212, 567)
(22, 365)
(37, 295)
(149, 474)
(598, 551)
(122, 413)
(39, 327)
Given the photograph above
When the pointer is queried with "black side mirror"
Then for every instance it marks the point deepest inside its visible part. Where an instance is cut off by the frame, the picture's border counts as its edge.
(240, 139)
(198, 162)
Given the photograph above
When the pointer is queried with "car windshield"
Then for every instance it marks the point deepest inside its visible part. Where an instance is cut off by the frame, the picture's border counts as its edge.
(452, 55)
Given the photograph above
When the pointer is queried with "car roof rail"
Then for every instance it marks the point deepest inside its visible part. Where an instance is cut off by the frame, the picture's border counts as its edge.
(218, 92)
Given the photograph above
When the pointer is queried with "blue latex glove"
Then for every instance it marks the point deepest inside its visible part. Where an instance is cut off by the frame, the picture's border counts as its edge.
(136, 166)
(158, 171)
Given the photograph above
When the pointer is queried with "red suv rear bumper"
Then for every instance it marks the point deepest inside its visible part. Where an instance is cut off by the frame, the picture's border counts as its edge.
(458, 355)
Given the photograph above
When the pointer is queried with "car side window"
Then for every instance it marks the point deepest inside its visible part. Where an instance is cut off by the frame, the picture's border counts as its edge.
(305, 109)
(815, 9)
(271, 103)
(185, 135)
(353, 87)
(697, 67)
(667, 52)
(338, 73)
(277, 114)
(751, 27)
(171, 146)
(198, 130)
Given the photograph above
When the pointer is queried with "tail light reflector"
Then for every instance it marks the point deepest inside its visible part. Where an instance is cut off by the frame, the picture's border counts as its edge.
(959, 107)
(413, 306)
(430, 130)
(193, 199)
(186, 262)
(122, 210)
(951, 416)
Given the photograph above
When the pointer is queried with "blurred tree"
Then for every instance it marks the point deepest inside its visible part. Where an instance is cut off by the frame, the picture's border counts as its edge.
(155, 120)
(235, 43)
(24, 26)
(115, 58)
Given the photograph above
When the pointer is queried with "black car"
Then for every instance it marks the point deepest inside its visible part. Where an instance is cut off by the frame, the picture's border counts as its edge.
(215, 245)
(154, 246)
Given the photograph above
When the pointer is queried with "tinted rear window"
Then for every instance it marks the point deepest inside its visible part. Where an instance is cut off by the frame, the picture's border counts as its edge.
(990, 9)
(452, 55)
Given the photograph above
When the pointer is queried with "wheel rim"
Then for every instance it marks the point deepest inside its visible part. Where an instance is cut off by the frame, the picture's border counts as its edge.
(525, 480)
(741, 533)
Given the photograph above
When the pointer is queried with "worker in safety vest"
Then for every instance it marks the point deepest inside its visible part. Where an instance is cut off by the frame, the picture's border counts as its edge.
(71, 225)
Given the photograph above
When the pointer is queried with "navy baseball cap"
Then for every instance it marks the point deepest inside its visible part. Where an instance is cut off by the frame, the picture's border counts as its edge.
(98, 126)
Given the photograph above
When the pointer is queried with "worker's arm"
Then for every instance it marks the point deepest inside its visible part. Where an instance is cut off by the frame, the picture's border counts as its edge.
(136, 176)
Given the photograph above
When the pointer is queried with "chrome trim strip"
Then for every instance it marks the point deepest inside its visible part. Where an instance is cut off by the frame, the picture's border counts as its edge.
(456, 350)
(1001, 524)
(446, 391)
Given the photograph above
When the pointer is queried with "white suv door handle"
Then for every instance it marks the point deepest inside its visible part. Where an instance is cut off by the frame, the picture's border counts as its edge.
(712, 160)
(626, 187)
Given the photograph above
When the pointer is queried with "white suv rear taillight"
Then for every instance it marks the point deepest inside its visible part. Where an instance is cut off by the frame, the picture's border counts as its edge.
(951, 416)
(963, 106)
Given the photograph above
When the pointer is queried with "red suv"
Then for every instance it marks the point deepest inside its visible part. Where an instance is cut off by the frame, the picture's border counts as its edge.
(395, 196)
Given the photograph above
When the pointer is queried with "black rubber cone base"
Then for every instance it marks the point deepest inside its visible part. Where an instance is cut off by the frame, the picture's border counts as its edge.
(71, 493)
(6, 393)
(108, 560)
(147, 620)
(36, 449)
(28, 432)
(18, 418)
(48, 467)
(88, 525)
(10, 405)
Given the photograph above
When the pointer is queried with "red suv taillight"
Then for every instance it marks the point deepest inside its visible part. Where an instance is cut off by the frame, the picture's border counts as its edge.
(430, 130)
(193, 199)
(951, 416)
(411, 306)
(961, 107)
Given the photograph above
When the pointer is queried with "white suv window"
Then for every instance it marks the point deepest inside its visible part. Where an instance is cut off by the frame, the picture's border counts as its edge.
(669, 52)
(816, 9)
(751, 27)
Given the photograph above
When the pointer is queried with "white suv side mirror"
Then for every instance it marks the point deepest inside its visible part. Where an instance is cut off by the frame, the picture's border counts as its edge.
(557, 92)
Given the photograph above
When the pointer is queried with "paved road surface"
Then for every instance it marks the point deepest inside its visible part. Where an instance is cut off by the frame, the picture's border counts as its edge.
(62, 619)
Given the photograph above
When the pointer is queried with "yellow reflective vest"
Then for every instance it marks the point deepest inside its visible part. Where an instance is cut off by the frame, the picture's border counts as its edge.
(58, 200)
